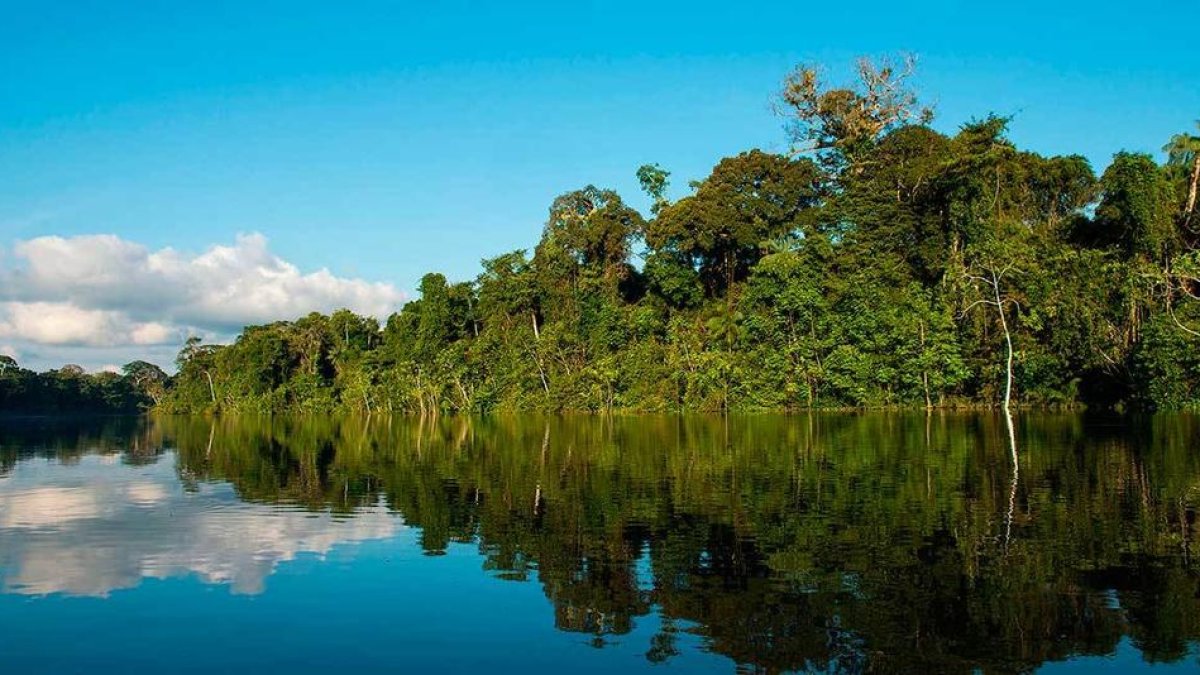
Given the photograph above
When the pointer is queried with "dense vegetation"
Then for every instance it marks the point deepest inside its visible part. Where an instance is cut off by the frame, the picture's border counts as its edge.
(882, 263)
(70, 390)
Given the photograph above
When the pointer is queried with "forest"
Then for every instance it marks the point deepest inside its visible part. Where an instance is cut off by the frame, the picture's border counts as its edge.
(71, 390)
(877, 263)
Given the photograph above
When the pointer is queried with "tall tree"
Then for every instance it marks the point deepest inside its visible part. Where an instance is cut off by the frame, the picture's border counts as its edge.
(746, 202)
(1183, 150)
(197, 360)
(842, 123)
(1136, 207)
(991, 268)
(589, 231)
(148, 378)
(654, 181)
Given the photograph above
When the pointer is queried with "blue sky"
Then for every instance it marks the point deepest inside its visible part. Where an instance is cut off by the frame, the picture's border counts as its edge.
(384, 140)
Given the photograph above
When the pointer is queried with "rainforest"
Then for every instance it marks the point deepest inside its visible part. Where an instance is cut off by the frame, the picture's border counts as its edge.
(877, 262)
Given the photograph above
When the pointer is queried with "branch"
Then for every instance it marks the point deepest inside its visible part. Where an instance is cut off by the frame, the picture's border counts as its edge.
(979, 279)
(1171, 311)
(975, 304)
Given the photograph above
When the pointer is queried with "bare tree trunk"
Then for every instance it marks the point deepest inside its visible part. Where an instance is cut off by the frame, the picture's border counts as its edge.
(993, 277)
(212, 392)
(1008, 380)
(463, 392)
(421, 394)
(812, 324)
(1192, 188)
(924, 370)
(537, 355)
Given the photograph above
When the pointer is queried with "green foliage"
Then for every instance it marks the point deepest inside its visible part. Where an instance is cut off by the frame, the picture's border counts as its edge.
(906, 267)
(71, 390)
(747, 201)
(1137, 207)
(654, 181)
(673, 279)
(1166, 366)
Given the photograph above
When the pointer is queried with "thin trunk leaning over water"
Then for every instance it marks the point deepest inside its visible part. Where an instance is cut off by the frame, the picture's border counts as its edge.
(1008, 375)
(993, 278)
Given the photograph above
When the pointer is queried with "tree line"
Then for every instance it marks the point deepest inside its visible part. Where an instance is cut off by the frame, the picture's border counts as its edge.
(880, 262)
(139, 385)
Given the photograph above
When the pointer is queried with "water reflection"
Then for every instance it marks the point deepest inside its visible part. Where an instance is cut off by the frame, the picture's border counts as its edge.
(82, 528)
(895, 543)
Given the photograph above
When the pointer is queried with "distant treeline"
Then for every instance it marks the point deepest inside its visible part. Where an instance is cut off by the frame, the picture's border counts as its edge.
(70, 390)
(881, 263)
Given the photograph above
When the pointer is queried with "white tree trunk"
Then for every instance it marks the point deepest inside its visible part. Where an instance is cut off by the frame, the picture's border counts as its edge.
(537, 337)
(1008, 380)
(1192, 188)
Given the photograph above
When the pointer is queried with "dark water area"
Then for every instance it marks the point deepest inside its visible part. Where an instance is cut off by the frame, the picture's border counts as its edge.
(812, 543)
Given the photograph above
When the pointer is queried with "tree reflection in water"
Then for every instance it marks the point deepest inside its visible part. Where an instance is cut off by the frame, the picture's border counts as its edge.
(832, 542)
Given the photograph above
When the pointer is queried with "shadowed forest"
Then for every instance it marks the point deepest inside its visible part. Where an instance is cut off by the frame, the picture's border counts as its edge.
(878, 263)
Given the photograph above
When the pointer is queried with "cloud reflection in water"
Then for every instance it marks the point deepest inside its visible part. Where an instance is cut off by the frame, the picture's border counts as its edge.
(93, 527)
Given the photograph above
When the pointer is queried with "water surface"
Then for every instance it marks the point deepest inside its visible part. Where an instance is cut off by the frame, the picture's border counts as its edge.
(844, 543)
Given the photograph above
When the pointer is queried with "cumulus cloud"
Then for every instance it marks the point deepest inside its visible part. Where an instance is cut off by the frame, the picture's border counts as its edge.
(59, 323)
(105, 291)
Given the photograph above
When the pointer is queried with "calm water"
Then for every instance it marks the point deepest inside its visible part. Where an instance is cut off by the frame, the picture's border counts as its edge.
(847, 543)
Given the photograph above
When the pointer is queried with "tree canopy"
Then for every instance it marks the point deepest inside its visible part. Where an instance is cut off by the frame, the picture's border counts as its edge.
(838, 274)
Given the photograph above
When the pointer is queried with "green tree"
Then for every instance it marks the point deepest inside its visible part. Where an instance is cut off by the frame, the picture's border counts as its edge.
(654, 181)
(991, 268)
(781, 281)
(747, 201)
(1183, 150)
(842, 124)
(148, 378)
(1136, 208)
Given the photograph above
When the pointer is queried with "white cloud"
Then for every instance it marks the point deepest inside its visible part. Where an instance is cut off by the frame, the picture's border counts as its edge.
(61, 323)
(152, 333)
(104, 291)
